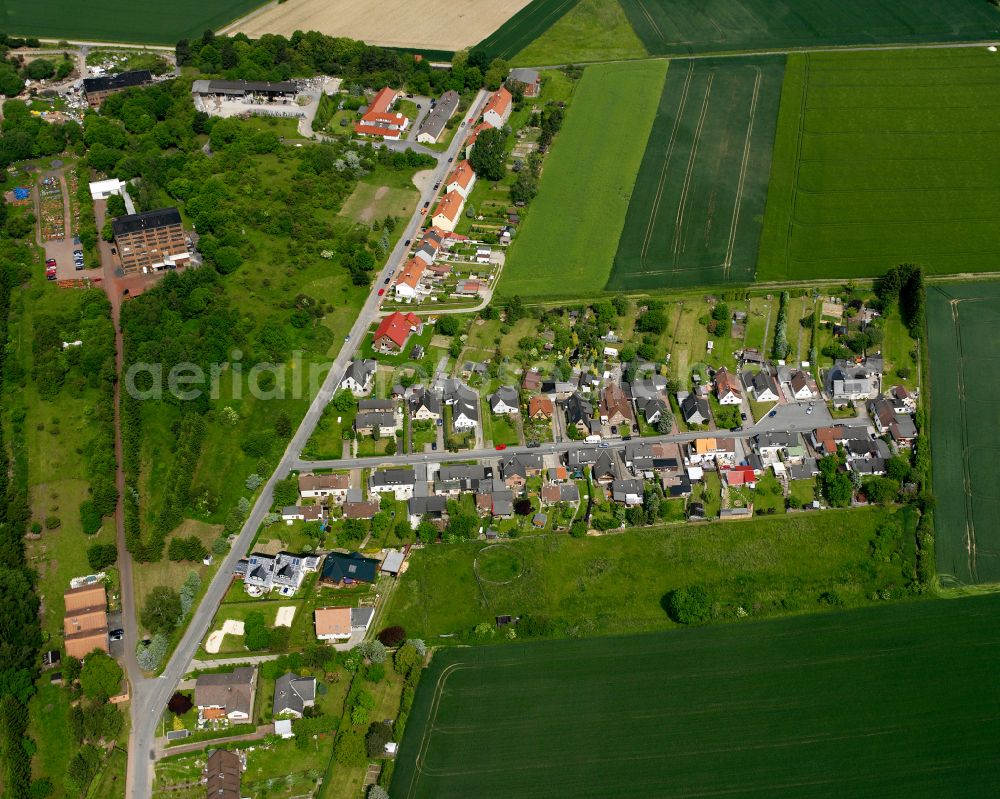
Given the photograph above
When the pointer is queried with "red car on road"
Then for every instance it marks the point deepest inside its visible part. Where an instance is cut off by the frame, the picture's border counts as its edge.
(381, 292)
(501, 446)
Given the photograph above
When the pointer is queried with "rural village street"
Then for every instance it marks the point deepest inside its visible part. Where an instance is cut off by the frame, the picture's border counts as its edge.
(150, 696)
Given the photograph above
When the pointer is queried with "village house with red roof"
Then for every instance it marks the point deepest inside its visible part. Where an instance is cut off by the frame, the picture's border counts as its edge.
(393, 331)
(380, 119)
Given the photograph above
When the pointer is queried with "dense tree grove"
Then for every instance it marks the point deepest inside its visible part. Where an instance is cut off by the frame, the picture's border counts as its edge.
(20, 633)
(276, 58)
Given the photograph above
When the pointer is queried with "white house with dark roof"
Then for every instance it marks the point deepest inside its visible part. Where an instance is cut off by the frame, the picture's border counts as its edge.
(505, 400)
(292, 695)
(358, 377)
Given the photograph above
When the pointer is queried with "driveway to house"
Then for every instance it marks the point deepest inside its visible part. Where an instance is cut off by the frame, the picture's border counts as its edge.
(147, 707)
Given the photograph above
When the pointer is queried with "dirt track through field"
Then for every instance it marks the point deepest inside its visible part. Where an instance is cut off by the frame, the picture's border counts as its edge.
(430, 24)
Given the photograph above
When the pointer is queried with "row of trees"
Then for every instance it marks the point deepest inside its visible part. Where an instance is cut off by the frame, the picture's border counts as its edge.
(20, 633)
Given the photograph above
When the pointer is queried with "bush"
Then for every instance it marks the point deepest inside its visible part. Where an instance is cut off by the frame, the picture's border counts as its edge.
(373, 651)
(256, 636)
(189, 548)
(689, 605)
(90, 517)
(349, 749)
(180, 704)
(100, 556)
(375, 672)
(392, 636)
(379, 734)
(52, 522)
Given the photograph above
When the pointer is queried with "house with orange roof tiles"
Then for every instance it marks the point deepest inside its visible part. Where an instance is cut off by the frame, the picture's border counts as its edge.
(462, 179)
(449, 210)
(408, 282)
(498, 107)
(380, 119)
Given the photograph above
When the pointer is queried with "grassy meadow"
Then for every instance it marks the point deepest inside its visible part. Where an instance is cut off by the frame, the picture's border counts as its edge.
(595, 30)
(570, 234)
(882, 158)
(524, 27)
(965, 430)
(142, 21)
(614, 584)
(695, 213)
(840, 704)
(674, 27)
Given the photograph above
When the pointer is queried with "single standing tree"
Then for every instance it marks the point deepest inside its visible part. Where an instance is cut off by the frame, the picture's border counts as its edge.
(100, 676)
(489, 153)
(162, 610)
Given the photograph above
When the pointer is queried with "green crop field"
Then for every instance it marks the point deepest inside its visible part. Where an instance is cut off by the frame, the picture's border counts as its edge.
(696, 210)
(571, 230)
(142, 21)
(849, 704)
(524, 27)
(595, 30)
(614, 584)
(699, 26)
(882, 158)
(962, 320)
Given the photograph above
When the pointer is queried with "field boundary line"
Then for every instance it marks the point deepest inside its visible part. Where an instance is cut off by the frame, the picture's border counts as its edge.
(692, 158)
(651, 224)
(652, 22)
(728, 262)
(798, 163)
(431, 718)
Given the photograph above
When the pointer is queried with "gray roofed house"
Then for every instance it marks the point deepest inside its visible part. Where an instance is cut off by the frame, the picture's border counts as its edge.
(425, 404)
(628, 491)
(505, 400)
(503, 503)
(239, 88)
(358, 377)
(284, 570)
(434, 123)
(581, 456)
(464, 403)
(293, 694)
(652, 408)
(385, 479)
(605, 468)
(228, 695)
(366, 422)
(393, 561)
(848, 381)
(694, 409)
(339, 569)
(764, 386)
(528, 80)
(419, 507)
(579, 411)
(803, 471)
(464, 471)
(376, 405)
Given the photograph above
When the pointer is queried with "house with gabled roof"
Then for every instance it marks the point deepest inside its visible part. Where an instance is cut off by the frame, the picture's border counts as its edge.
(436, 120)
(227, 696)
(461, 180)
(358, 377)
(765, 388)
(292, 695)
(540, 407)
(425, 405)
(322, 486)
(394, 330)
(498, 107)
(340, 569)
(694, 409)
(408, 280)
(449, 210)
(616, 407)
(380, 119)
(505, 400)
(727, 388)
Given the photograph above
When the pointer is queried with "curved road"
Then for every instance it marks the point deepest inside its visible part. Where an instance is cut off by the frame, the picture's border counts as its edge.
(150, 696)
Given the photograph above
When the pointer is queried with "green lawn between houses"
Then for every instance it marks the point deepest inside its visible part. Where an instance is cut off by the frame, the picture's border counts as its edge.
(568, 240)
(850, 703)
(615, 583)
